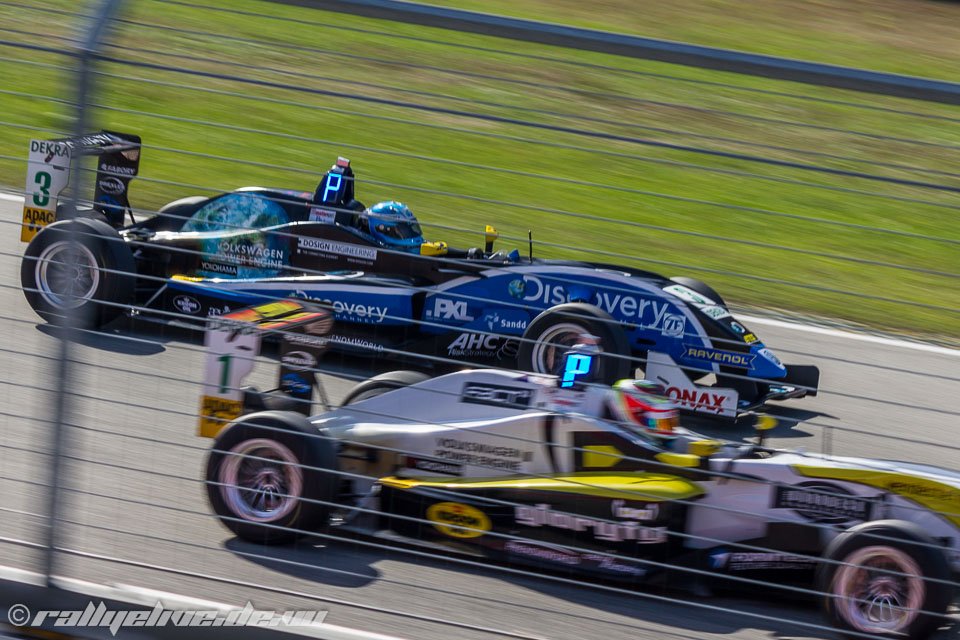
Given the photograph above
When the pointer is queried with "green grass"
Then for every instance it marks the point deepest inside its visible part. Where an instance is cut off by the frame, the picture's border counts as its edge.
(643, 205)
(914, 37)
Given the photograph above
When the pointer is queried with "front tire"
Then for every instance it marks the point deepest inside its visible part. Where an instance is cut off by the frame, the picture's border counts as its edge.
(272, 477)
(700, 287)
(885, 580)
(555, 330)
(80, 269)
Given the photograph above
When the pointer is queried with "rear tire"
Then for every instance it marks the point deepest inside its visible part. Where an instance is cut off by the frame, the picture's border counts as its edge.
(81, 269)
(383, 383)
(860, 598)
(66, 212)
(557, 329)
(272, 477)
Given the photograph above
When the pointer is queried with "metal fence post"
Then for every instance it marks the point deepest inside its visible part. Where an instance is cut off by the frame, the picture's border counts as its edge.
(95, 30)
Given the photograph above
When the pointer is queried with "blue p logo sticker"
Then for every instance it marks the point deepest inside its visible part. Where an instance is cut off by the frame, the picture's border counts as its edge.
(577, 364)
(334, 181)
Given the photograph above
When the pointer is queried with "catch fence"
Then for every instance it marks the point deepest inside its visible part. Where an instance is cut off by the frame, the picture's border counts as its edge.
(824, 217)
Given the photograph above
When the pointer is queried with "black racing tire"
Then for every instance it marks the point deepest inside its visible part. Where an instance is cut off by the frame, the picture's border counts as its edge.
(383, 383)
(295, 490)
(700, 287)
(276, 400)
(88, 273)
(895, 545)
(557, 328)
(66, 212)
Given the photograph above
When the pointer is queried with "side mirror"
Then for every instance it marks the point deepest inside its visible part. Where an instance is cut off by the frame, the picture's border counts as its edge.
(489, 235)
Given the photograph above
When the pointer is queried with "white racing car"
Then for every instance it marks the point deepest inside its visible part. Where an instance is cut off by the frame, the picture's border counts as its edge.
(559, 473)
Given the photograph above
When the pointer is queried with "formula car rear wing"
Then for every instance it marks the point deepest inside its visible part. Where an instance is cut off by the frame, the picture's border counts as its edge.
(48, 173)
(232, 344)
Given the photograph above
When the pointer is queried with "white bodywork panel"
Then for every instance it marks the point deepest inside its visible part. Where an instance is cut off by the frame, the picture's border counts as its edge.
(48, 172)
(489, 422)
(482, 424)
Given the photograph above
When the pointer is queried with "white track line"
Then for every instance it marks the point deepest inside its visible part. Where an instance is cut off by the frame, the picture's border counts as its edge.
(321, 631)
(847, 335)
(148, 598)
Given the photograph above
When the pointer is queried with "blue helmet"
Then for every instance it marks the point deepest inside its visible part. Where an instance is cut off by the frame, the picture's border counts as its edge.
(394, 226)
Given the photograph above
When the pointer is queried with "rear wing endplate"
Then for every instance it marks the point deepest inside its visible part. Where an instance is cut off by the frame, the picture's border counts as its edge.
(232, 344)
(48, 173)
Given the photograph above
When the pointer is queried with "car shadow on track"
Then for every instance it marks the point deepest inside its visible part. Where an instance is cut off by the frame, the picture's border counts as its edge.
(109, 340)
(585, 608)
(132, 336)
(790, 424)
(143, 337)
(337, 564)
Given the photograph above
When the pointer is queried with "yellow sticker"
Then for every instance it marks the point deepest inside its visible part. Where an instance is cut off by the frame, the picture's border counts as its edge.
(600, 456)
(215, 413)
(279, 308)
(458, 520)
(433, 249)
(33, 221)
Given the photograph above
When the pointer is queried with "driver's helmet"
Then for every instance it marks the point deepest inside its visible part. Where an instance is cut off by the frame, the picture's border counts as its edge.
(641, 403)
(394, 226)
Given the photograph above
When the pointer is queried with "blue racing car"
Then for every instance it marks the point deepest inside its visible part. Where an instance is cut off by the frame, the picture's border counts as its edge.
(393, 293)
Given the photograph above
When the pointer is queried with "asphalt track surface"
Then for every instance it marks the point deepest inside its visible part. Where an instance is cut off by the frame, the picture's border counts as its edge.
(135, 512)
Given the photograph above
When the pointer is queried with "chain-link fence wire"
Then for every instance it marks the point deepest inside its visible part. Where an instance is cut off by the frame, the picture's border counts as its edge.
(134, 497)
(659, 228)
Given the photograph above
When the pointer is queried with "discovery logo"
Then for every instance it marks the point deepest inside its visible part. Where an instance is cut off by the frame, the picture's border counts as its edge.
(347, 311)
(648, 312)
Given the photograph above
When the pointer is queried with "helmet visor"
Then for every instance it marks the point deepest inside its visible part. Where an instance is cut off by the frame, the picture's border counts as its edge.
(400, 230)
(663, 425)
(642, 408)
